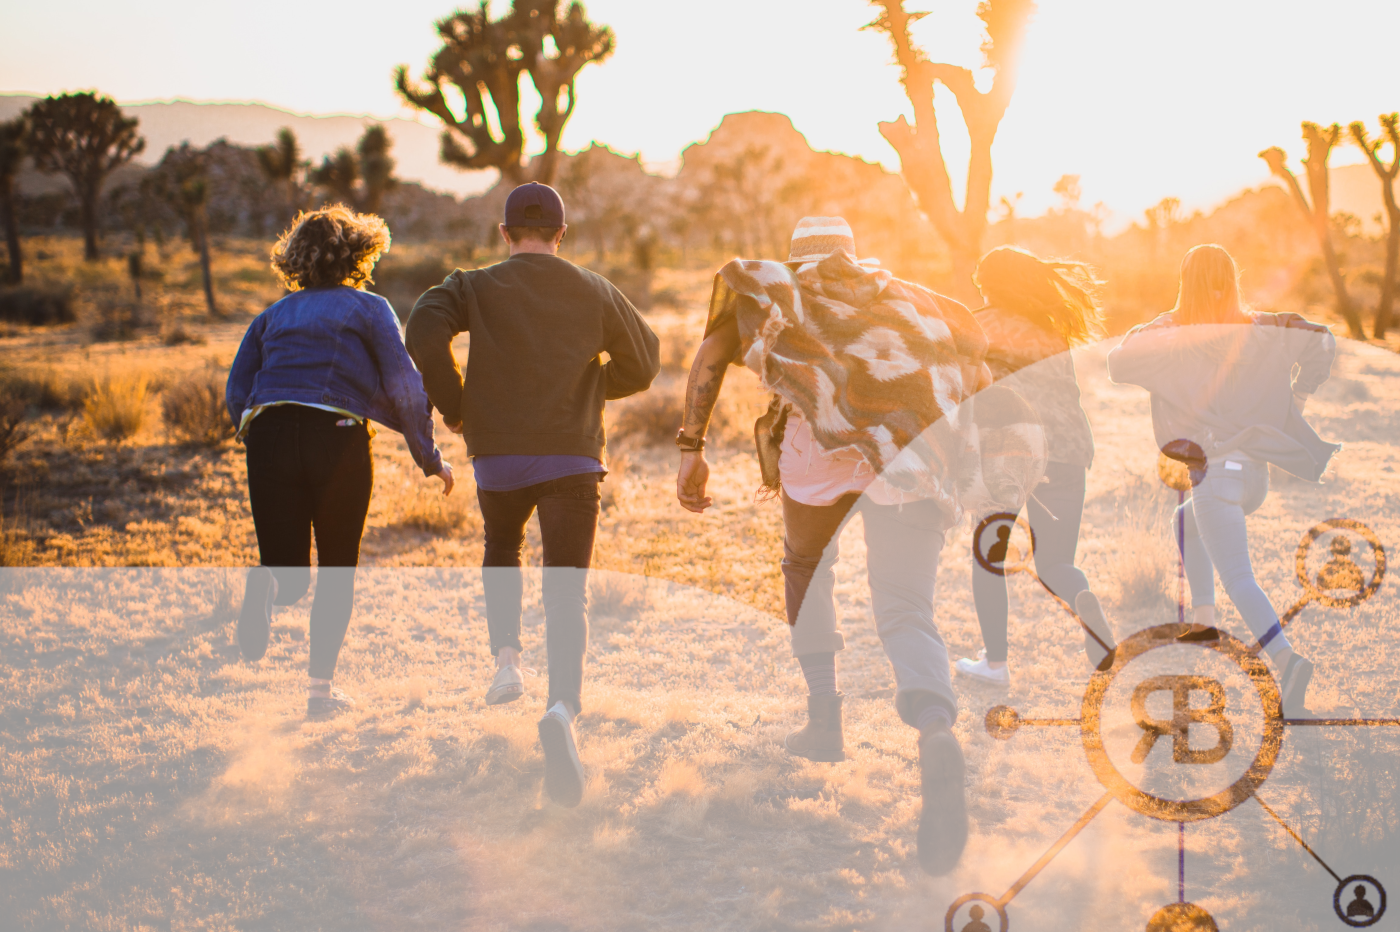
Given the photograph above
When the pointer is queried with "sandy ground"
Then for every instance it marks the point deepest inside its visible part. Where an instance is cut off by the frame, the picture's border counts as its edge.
(150, 779)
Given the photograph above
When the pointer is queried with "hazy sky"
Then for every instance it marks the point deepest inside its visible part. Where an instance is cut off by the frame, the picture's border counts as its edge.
(1143, 99)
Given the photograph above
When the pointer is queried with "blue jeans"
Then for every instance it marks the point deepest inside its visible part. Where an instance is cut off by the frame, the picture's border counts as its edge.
(1211, 532)
(902, 547)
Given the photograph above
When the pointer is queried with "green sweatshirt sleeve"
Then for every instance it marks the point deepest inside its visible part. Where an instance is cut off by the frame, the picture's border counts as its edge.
(633, 349)
(440, 314)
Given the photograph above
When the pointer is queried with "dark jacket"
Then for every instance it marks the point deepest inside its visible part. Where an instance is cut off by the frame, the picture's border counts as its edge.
(534, 383)
(1229, 387)
(338, 347)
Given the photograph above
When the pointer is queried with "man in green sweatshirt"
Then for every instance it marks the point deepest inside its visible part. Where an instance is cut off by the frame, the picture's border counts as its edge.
(530, 407)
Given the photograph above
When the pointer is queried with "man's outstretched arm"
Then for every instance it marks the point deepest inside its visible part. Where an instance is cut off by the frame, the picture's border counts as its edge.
(701, 392)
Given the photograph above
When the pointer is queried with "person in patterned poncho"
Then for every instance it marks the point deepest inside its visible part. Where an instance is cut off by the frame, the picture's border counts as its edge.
(1036, 310)
(869, 375)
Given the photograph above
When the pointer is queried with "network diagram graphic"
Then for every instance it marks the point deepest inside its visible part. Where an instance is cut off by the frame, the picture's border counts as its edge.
(1359, 900)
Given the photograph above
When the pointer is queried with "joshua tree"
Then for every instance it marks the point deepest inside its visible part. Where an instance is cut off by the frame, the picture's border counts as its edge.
(1390, 129)
(281, 163)
(1320, 142)
(13, 137)
(85, 137)
(480, 54)
(920, 152)
(182, 179)
(359, 177)
(376, 167)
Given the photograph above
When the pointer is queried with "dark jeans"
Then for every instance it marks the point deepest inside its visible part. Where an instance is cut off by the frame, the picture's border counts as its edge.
(568, 521)
(307, 475)
(1056, 533)
(902, 545)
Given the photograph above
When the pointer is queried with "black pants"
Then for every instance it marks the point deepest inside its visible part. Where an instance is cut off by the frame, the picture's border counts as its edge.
(307, 475)
(568, 521)
(1056, 533)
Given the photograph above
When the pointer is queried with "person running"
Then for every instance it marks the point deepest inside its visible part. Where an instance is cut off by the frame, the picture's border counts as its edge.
(904, 358)
(1036, 311)
(530, 407)
(1226, 402)
(312, 371)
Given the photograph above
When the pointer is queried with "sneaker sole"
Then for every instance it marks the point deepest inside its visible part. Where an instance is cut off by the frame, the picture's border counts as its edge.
(254, 627)
(504, 696)
(563, 774)
(986, 681)
(820, 757)
(943, 820)
(1294, 701)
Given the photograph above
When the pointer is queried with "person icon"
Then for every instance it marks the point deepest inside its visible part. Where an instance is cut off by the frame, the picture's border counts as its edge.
(976, 912)
(1341, 571)
(1002, 550)
(1360, 907)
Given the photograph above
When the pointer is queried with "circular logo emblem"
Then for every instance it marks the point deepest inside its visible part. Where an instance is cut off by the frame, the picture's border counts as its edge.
(1339, 582)
(1174, 726)
(994, 549)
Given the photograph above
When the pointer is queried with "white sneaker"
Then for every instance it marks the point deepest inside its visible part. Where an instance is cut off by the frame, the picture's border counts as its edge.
(563, 772)
(980, 671)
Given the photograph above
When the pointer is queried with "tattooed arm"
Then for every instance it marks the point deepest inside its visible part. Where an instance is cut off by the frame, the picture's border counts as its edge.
(701, 392)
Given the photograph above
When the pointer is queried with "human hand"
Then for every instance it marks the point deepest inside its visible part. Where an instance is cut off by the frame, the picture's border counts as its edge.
(455, 428)
(691, 480)
(445, 474)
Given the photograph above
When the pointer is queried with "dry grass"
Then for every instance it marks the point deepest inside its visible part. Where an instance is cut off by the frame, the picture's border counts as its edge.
(115, 408)
(151, 779)
(194, 412)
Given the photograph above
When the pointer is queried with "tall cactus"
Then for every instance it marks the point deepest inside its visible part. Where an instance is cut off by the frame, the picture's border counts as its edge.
(919, 147)
(1390, 133)
(1320, 142)
(481, 54)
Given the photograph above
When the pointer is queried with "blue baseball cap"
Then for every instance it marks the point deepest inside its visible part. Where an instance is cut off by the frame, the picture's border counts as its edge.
(534, 205)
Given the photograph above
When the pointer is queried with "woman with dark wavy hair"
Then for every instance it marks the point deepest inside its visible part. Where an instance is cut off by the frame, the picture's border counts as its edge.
(1037, 309)
(312, 371)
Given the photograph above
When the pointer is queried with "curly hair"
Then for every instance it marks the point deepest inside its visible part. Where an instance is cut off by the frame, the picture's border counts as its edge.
(330, 246)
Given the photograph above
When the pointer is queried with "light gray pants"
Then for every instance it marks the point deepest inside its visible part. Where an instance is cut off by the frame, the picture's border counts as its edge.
(1211, 531)
(902, 543)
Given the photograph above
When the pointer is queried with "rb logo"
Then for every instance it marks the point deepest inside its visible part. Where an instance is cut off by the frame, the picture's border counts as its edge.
(1183, 715)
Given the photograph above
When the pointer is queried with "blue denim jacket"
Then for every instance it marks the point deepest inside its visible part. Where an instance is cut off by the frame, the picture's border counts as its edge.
(339, 347)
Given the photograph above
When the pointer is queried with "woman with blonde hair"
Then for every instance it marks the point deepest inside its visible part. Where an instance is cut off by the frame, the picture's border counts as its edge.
(312, 371)
(1226, 402)
(1036, 311)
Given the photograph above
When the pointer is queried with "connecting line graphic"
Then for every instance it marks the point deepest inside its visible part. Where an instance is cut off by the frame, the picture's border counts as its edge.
(1055, 849)
(1298, 838)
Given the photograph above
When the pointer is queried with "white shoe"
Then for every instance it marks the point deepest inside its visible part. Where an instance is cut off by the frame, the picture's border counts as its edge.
(508, 685)
(980, 671)
(563, 773)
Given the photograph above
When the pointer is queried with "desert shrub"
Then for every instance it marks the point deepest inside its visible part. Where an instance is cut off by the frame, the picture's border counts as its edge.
(45, 389)
(420, 505)
(16, 549)
(116, 408)
(194, 412)
(402, 281)
(652, 417)
(26, 304)
(178, 335)
(616, 595)
(14, 427)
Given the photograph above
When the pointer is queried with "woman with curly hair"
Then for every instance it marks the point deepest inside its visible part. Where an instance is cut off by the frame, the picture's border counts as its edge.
(312, 371)
(1037, 309)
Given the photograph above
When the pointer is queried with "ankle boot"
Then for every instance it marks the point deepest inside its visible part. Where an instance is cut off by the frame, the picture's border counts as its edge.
(820, 740)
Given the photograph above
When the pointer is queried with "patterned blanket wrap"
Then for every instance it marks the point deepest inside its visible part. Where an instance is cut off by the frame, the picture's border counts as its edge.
(885, 367)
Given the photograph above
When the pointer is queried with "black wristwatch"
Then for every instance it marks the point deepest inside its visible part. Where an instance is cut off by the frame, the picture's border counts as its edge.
(689, 444)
